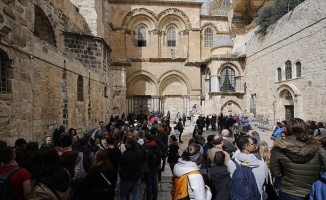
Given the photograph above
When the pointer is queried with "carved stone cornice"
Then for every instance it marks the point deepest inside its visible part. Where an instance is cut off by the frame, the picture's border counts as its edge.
(158, 2)
(157, 59)
(121, 64)
(237, 94)
(196, 29)
(155, 32)
(214, 17)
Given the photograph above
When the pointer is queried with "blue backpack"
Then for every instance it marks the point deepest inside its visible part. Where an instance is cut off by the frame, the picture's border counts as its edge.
(243, 184)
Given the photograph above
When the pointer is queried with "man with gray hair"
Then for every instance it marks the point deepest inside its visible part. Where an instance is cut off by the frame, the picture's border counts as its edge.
(229, 147)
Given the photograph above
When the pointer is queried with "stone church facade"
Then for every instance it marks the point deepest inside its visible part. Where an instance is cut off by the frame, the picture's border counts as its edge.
(79, 62)
(175, 57)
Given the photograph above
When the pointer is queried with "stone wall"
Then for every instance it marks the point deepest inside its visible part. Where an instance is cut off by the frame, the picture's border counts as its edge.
(298, 36)
(90, 50)
(43, 72)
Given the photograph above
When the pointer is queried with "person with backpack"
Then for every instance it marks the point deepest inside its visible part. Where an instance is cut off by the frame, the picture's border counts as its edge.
(101, 180)
(14, 180)
(188, 183)
(244, 167)
(219, 177)
(152, 164)
(76, 164)
(52, 181)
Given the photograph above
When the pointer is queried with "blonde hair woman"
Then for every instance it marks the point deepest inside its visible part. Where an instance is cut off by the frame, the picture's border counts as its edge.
(265, 155)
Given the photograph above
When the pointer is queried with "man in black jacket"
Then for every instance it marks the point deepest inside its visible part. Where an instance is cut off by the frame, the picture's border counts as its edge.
(130, 169)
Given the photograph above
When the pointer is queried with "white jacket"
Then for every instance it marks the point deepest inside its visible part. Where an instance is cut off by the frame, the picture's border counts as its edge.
(196, 185)
(259, 170)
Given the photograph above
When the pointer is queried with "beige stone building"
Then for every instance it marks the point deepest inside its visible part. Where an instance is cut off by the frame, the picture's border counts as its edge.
(176, 57)
(78, 62)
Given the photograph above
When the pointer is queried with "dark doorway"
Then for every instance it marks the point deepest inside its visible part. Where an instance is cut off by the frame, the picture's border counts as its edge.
(142, 103)
(289, 112)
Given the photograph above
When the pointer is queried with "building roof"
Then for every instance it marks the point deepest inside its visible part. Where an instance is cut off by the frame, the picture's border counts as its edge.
(223, 42)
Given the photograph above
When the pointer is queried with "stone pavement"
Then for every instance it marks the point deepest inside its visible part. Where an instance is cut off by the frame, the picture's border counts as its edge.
(165, 184)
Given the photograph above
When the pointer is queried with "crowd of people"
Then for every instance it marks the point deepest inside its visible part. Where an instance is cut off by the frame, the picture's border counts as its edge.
(115, 159)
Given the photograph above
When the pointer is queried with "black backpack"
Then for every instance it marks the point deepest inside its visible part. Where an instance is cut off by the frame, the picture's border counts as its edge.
(153, 157)
(5, 190)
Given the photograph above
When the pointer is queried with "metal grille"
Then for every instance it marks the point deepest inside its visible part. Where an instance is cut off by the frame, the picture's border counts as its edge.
(227, 80)
(298, 66)
(80, 88)
(171, 37)
(279, 74)
(142, 37)
(288, 70)
(208, 37)
(3, 74)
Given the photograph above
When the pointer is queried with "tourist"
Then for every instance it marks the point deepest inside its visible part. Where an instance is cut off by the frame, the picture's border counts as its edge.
(101, 179)
(173, 154)
(295, 160)
(130, 170)
(189, 162)
(52, 181)
(20, 179)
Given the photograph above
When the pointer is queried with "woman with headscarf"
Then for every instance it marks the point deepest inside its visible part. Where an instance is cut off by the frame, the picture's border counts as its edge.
(188, 163)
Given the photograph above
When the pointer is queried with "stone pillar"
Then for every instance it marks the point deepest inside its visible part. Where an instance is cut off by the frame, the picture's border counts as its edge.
(218, 78)
(156, 105)
(214, 84)
(207, 87)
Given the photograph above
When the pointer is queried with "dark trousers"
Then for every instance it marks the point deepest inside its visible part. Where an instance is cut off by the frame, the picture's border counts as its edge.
(180, 136)
(284, 196)
(151, 185)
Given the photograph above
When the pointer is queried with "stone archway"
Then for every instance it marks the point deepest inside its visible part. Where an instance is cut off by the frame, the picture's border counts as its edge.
(286, 104)
(141, 94)
(173, 93)
(230, 107)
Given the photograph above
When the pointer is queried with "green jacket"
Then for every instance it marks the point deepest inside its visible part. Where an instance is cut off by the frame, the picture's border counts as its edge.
(297, 163)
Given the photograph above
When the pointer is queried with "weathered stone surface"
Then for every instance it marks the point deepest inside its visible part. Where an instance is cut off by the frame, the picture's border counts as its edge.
(22, 21)
(4, 111)
(23, 2)
(7, 2)
(9, 12)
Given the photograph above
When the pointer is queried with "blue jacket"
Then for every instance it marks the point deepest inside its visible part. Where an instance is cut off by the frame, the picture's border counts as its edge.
(318, 189)
(277, 132)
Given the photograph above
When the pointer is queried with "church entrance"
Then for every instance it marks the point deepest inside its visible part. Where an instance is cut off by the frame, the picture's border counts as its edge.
(142, 104)
(289, 112)
(286, 105)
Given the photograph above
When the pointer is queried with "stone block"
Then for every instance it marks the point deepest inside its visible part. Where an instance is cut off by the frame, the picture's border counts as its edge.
(4, 111)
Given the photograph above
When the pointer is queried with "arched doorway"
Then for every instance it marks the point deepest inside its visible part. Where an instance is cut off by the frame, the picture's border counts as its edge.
(230, 107)
(173, 91)
(141, 95)
(286, 104)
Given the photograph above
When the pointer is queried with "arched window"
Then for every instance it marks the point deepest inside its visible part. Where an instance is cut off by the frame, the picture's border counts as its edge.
(279, 74)
(80, 88)
(4, 71)
(141, 42)
(171, 37)
(288, 70)
(227, 83)
(208, 36)
(42, 27)
(298, 68)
